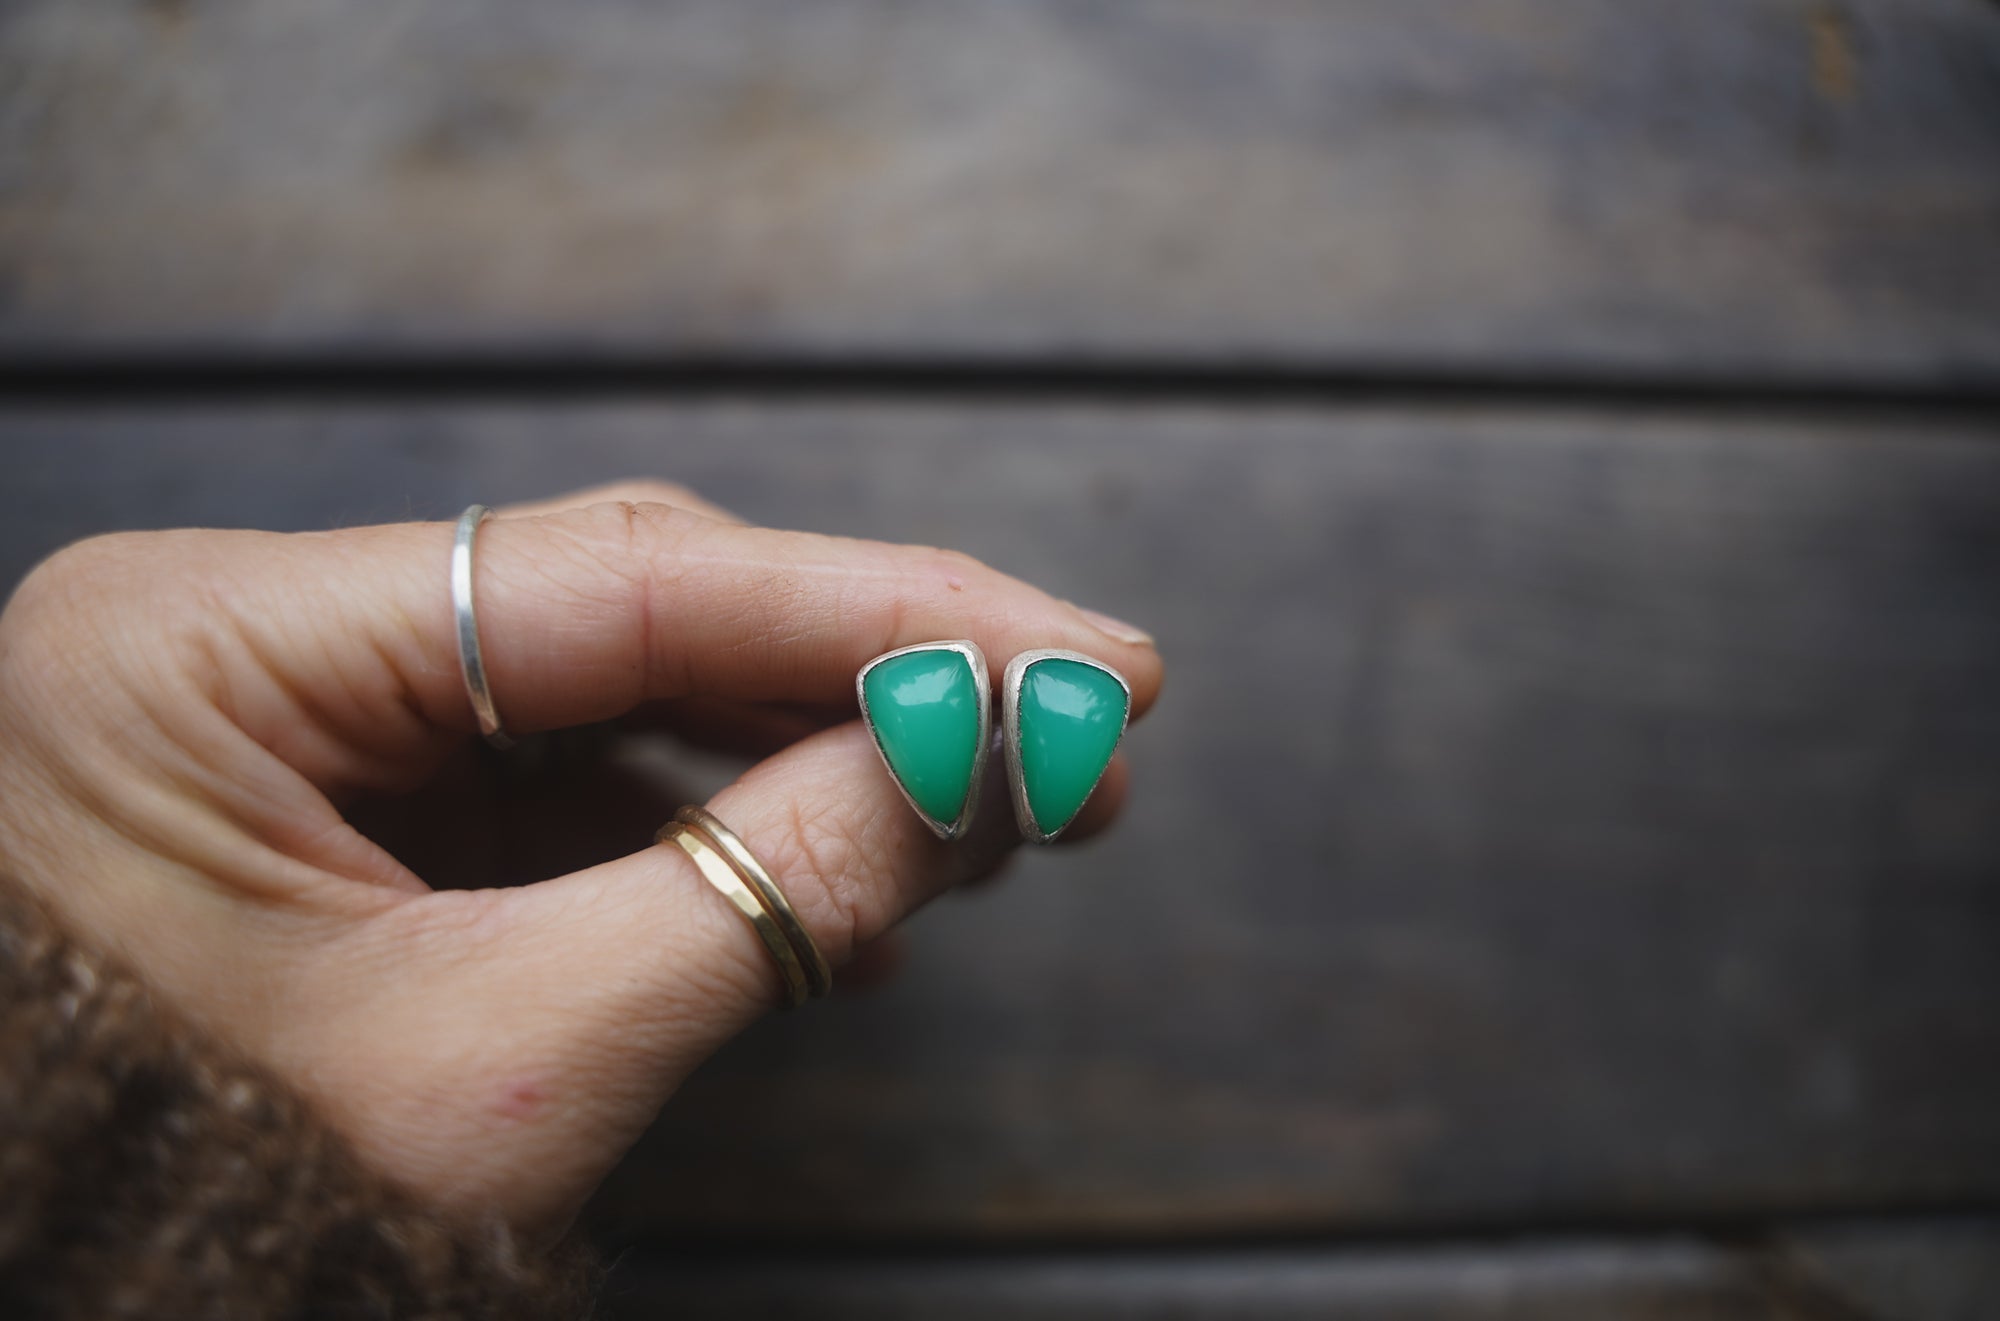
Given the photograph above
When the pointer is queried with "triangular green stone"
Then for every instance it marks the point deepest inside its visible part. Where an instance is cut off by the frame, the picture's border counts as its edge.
(924, 710)
(1071, 717)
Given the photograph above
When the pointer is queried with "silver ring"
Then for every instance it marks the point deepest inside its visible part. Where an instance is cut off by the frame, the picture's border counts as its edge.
(470, 665)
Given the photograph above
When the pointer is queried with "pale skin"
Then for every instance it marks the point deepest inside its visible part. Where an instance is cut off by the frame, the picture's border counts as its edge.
(187, 720)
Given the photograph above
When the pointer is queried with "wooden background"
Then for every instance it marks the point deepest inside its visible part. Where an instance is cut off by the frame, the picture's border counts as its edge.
(1557, 443)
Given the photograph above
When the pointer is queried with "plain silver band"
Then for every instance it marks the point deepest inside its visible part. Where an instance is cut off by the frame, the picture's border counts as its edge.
(470, 665)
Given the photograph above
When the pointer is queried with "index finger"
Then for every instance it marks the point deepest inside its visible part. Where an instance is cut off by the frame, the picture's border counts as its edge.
(585, 613)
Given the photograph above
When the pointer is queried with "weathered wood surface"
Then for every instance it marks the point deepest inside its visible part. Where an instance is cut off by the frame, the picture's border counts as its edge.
(1717, 188)
(1552, 817)
(1682, 1280)
(1911, 1270)
(1925, 1270)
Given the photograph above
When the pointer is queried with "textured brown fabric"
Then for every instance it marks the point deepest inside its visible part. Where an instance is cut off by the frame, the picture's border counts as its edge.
(145, 1172)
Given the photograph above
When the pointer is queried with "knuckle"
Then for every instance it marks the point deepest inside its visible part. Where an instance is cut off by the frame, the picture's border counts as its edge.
(83, 581)
(68, 633)
(651, 524)
(651, 539)
(623, 533)
(629, 540)
(616, 560)
(72, 572)
(653, 491)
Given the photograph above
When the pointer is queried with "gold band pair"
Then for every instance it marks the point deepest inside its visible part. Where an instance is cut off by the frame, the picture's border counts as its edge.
(726, 863)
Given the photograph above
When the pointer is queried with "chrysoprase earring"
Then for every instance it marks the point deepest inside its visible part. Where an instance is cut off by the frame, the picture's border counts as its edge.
(929, 710)
(1063, 715)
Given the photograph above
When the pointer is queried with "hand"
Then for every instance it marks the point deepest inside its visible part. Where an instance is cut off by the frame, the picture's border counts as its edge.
(186, 716)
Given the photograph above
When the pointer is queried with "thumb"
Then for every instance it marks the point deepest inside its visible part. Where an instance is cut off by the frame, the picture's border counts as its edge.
(513, 1043)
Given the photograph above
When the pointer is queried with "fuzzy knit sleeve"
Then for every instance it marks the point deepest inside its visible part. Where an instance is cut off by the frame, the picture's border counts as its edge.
(147, 1172)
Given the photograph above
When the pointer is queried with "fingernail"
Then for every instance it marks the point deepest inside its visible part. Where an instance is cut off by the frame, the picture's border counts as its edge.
(1118, 629)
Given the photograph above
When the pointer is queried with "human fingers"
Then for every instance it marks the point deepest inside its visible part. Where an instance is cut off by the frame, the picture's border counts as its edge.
(634, 490)
(567, 1011)
(584, 614)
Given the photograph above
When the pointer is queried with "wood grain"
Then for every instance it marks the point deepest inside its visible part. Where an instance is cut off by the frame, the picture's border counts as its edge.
(1923, 1269)
(1727, 189)
(1551, 817)
(1565, 1281)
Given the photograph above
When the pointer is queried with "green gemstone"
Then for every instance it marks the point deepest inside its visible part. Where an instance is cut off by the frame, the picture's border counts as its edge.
(924, 710)
(1071, 718)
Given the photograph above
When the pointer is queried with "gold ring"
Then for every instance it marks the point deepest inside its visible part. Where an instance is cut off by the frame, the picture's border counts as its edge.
(726, 863)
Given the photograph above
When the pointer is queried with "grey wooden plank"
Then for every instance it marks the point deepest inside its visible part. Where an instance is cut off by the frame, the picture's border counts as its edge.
(1924, 1270)
(1547, 1279)
(1684, 1280)
(1732, 188)
(1551, 815)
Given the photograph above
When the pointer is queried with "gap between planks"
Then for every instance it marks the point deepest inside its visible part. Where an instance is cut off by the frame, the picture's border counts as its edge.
(84, 381)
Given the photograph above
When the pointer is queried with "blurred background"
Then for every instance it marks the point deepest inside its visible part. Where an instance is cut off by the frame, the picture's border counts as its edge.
(1556, 442)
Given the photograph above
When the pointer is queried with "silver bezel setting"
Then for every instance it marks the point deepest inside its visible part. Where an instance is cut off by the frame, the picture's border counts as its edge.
(983, 683)
(1010, 706)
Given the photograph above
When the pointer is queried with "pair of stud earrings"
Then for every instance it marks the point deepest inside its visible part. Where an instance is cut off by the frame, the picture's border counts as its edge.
(928, 708)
